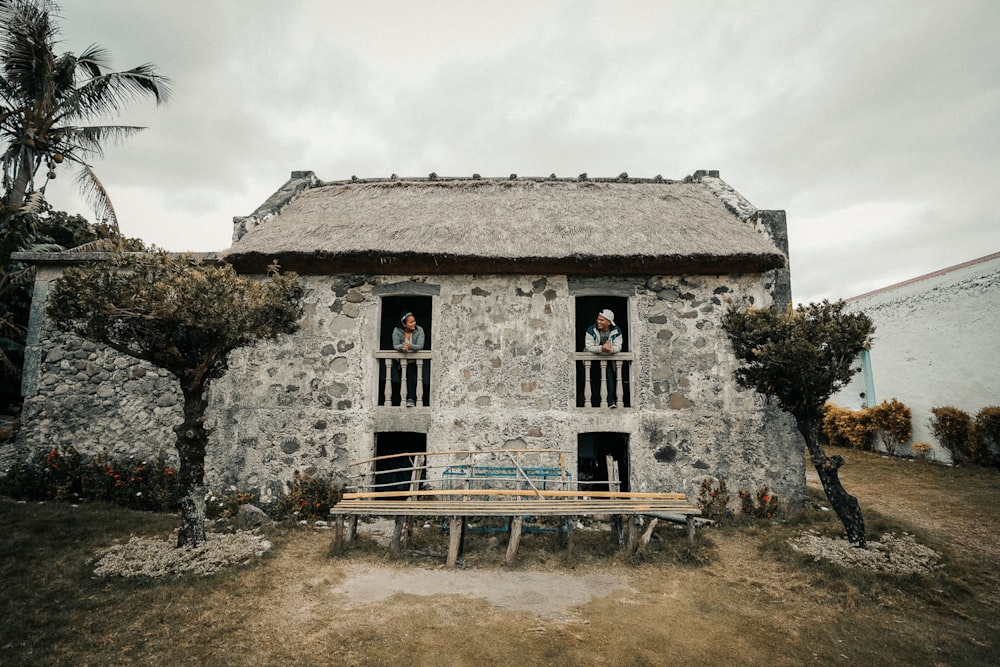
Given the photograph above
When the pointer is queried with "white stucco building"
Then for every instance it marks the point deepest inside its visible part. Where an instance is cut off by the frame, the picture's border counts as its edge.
(937, 339)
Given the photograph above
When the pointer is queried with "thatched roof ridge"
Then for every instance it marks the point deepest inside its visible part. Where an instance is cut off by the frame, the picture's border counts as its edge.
(505, 225)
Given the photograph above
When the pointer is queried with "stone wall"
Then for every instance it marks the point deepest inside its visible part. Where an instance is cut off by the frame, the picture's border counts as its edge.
(502, 375)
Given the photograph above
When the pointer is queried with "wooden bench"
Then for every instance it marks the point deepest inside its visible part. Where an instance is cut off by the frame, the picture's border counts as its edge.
(460, 504)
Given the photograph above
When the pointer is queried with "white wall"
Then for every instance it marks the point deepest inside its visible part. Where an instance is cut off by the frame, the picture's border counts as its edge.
(937, 343)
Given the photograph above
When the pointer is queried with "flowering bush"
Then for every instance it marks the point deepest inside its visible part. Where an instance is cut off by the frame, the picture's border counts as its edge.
(310, 497)
(762, 505)
(714, 500)
(227, 505)
(129, 482)
(51, 475)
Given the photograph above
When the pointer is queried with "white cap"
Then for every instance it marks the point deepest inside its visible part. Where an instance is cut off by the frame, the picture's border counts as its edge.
(609, 315)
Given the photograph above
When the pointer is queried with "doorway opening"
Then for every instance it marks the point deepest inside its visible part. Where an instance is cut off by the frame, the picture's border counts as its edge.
(598, 454)
(396, 473)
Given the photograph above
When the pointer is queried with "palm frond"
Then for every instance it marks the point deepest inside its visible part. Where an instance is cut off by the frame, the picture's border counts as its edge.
(93, 61)
(95, 194)
(113, 91)
(100, 245)
(24, 276)
(89, 139)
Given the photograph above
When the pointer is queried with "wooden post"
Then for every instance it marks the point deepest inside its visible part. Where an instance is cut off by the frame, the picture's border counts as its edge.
(352, 529)
(618, 529)
(648, 533)
(514, 541)
(338, 534)
(397, 535)
(456, 529)
(415, 476)
(633, 537)
(570, 534)
(614, 475)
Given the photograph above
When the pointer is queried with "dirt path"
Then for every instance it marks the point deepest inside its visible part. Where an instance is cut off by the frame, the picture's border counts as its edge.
(913, 497)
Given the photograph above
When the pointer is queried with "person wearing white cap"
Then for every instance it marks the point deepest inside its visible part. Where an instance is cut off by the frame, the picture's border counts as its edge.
(605, 337)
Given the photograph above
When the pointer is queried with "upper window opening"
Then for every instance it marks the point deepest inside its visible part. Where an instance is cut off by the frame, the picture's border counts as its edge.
(405, 329)
(603, 374)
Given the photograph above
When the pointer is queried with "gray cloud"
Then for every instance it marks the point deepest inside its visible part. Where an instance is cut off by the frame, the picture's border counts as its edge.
(873, 125)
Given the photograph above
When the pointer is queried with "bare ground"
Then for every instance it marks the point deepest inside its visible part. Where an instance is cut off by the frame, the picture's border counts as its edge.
(746, 607)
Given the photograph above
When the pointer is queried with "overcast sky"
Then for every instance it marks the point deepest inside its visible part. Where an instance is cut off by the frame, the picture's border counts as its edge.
(874, 124)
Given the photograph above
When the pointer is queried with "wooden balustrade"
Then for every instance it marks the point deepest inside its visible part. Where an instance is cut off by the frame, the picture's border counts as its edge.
(621, 362)
(386, 357)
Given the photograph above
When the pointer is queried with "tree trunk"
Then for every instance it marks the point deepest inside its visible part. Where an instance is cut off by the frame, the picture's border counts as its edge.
(844, 504)
(192, 440)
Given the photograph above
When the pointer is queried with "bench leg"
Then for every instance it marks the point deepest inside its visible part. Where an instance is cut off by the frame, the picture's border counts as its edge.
(647, 535)
(570, 535)
(514, 542)
(408, 530)
(352, 529)
(616, 524)
(397, 535)
(338, 534)
(690, 528)
(456, 531)
(632, 543)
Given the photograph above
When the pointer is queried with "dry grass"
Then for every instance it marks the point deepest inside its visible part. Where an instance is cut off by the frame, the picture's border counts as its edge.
(740, 597)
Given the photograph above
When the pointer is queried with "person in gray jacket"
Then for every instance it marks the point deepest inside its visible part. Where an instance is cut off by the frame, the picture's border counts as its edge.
(604, 337)
(407, 336)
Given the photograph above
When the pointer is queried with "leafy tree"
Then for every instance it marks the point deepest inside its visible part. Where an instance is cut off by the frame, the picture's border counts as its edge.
(801, 357)
(46, 97)
(185, 317)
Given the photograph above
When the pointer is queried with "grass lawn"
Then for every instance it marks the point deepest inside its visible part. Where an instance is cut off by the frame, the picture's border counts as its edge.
(740, 596)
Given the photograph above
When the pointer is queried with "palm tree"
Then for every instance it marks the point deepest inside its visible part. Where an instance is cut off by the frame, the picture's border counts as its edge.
(46, 99)
(46, 103)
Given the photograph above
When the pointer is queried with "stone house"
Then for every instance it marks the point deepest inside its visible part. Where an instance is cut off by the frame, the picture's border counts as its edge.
(936, 342)
(504, 275)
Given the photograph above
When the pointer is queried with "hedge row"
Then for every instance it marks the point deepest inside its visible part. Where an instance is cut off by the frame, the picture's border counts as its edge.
(149, 485)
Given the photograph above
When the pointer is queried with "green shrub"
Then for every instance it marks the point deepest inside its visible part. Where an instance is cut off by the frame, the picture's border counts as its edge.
(714, 501)
(137, 484)
(227, 505)
(310, 497)
(68, 476)
(51, 475)
(953, 429)
(762, 505)
(988, 435)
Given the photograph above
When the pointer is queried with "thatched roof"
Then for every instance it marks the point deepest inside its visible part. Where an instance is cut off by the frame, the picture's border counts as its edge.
(508, 225)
